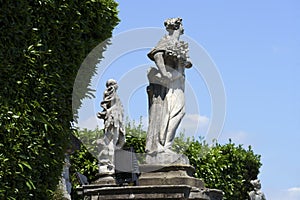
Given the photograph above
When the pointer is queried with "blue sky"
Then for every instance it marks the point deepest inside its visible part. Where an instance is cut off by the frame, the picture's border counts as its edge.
(255, 45)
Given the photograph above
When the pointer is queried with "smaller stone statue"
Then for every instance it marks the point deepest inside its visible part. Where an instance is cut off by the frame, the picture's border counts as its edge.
(114, 131)
(256, 194)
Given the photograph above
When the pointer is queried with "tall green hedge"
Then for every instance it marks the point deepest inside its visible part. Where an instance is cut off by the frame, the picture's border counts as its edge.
(43, 43)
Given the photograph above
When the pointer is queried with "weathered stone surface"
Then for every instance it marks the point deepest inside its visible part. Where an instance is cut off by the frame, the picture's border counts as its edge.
(205, 193)
(114, 130)
(188, 170)
(156, 182)
(105, 180)
(169, 175)
(167, 157)
(256, 194)
(166, 92)
(159, 192)
(137, 192)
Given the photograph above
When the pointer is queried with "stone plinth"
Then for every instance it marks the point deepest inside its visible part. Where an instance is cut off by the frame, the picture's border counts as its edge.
(164, 158)
(103, 180)
(157, 182)
(160, 192)
(136, 192)
(169, 175)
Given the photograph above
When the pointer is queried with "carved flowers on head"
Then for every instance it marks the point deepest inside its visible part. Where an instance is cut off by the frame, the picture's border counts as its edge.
(179, 50)
(173, 23)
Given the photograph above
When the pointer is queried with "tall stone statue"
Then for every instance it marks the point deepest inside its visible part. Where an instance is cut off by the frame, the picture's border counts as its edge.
(256, 194)
(114, 131)
(166, 88)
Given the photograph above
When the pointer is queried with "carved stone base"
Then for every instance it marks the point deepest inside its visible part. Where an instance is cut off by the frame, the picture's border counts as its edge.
(153, 192)
(105, 180)
(157, 182)
(178, 174)
(167, 158)
(169, 175)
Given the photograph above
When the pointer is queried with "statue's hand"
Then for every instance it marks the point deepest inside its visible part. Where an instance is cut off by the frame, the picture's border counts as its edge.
(167, 75)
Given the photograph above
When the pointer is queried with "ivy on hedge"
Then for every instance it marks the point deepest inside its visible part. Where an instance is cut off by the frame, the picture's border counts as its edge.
(42, 44)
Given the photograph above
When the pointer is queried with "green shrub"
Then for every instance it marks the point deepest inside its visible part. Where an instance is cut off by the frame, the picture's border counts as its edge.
(136, 138)
(226, 167)
(42, 46)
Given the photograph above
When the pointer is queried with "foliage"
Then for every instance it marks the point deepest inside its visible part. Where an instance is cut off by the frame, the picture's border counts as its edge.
(84, 162)
(181, 143)
(58, 194)
(226, 167)
(89, 139)
(136, 137)
(42, 46)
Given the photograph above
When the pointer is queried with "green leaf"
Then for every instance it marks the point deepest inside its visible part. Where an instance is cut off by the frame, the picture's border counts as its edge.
(21, 166)
(26, 165)
(30, 185)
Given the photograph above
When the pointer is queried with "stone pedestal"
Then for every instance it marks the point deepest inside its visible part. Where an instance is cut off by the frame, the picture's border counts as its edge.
(105, 180)
(167, 157)
(160, 192)
(157, 182)
(178, 175)
(169, 175)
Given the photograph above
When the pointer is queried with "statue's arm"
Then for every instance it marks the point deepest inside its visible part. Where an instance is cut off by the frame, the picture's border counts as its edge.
(160, 63)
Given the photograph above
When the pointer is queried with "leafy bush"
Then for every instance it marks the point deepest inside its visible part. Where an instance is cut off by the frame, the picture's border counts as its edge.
(226, 167)
(84, 160)
(89, 139)
(42, 46)
(136, 138)
(181, 143)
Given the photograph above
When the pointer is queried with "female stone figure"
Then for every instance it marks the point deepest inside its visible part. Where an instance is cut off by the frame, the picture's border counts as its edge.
(114, 131)
(166, 88)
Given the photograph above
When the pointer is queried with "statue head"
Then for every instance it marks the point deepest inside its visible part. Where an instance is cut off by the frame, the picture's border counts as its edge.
(173, 24)
(111, 83)
(256, 183)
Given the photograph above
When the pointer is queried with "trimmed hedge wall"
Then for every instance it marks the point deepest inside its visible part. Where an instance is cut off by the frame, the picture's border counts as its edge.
(43, 43)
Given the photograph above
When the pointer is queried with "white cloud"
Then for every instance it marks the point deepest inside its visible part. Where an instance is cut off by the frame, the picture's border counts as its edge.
(294, 190)
(90, 123)
(238, 137)
(287, 194)
(191, 124)
(194, 125)
(293, 193)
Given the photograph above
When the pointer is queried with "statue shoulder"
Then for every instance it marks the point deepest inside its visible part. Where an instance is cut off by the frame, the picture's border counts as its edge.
(161, 46)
